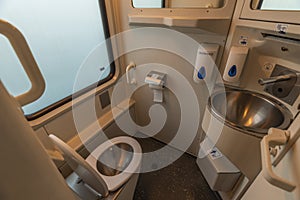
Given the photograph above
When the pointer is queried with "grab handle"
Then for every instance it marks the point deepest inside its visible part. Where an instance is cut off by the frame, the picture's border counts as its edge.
(128, 68)
(28, 62)
(274, 138)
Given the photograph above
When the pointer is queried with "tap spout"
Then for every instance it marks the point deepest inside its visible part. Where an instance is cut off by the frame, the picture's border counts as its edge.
(280, 78)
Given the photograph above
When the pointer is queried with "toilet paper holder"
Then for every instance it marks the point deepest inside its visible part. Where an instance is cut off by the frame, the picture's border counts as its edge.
(156, 81)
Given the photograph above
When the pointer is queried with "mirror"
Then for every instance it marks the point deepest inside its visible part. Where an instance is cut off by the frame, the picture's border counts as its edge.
(177, 3)
(276, 4)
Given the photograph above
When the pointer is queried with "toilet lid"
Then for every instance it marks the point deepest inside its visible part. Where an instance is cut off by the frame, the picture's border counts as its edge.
(81, 167)
(116, 181)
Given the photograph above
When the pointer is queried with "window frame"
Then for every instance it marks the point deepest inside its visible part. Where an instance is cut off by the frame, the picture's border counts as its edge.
(163, 5)
(277, 16)
(105, 24)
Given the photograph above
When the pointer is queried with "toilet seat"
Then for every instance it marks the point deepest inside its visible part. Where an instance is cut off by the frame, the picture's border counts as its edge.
(115, 182)
(87, 170)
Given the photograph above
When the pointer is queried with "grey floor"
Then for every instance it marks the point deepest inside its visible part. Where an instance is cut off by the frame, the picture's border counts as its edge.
(181, 180)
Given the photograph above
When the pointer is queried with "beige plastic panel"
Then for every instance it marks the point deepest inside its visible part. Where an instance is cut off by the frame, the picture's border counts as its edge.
(27, 172)
(43, 137)
(144, 97)
(180, 16)
(48, 145)
(211, 29)
(63, 126)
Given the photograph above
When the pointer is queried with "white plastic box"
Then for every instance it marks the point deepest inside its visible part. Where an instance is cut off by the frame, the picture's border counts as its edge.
(219, 172)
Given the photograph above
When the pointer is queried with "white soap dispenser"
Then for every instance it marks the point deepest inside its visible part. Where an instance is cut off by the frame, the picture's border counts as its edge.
(235, 63)
(205, 62)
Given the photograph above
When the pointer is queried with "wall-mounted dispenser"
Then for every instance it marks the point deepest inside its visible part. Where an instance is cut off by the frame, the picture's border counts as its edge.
(205, 62)
(156, 81)
(235, 63)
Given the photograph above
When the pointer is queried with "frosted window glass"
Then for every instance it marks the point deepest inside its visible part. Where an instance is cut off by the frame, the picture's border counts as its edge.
(280, 5)
(12, 73)
(61, 34)
(147, 3)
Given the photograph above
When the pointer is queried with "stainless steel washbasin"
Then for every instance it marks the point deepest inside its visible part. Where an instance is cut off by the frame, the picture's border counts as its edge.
(115, 159)
(249, 111)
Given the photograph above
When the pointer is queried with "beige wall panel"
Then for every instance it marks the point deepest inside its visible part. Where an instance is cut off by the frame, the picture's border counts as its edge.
(144, 97)
(64, 126)
(43, 137)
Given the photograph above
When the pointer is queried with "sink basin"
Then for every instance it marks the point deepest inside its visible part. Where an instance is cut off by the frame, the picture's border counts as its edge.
(115, 159)
(249, 111)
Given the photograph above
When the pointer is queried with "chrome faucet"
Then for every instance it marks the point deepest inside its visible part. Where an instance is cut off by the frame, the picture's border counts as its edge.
(275, 79)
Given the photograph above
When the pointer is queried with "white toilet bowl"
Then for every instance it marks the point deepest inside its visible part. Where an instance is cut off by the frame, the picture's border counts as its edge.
(111, 165)
(128, 156)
